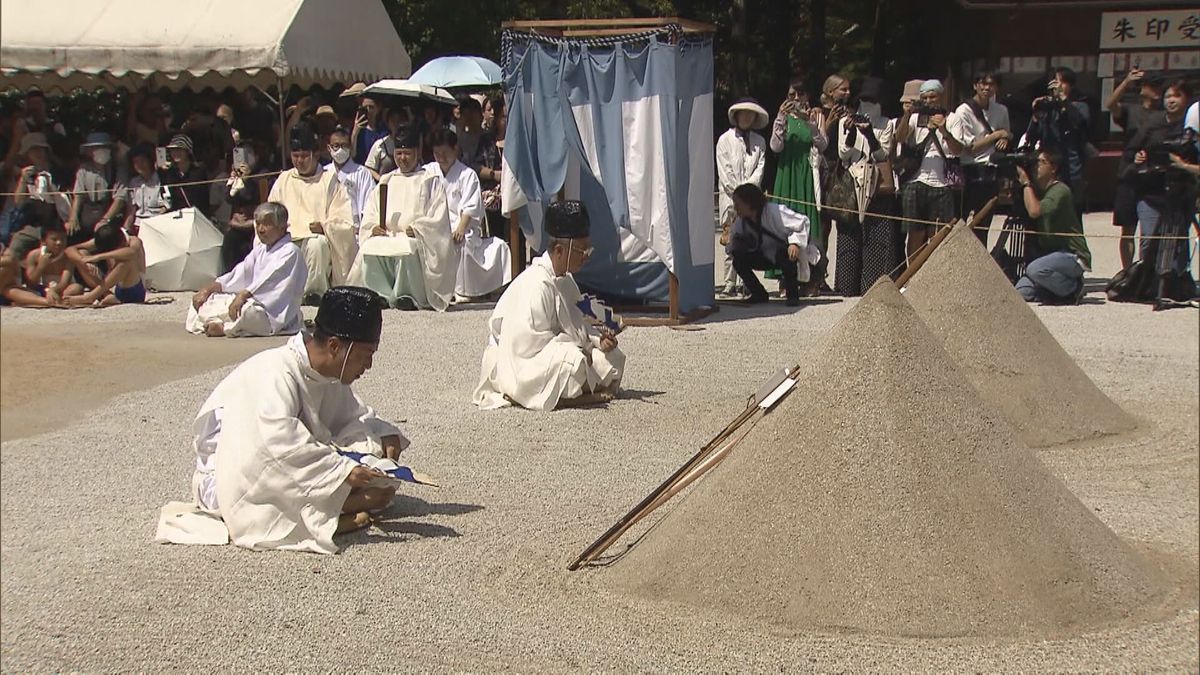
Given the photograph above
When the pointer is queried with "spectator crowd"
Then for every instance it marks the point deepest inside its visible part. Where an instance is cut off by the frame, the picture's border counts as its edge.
(402, 196)
(67, 195)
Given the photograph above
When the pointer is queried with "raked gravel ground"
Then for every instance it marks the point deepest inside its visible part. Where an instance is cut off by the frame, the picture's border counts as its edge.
(471, 577)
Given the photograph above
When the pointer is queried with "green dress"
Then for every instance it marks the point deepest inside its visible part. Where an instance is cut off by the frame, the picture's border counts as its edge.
(794, 174)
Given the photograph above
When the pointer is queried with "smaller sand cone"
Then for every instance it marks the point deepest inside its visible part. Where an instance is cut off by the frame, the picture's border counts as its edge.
(1005, 350)
(904, 506)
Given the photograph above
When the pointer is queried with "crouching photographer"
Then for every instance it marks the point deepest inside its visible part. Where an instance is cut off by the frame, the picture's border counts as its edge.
(1164, 168)
(1055, 275)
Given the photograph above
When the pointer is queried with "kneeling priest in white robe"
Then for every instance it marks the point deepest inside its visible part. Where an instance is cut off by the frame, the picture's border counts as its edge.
(260, 296)
(267, 440)
(321, 219)
(406, 253)
(483, 264)
(541, 352)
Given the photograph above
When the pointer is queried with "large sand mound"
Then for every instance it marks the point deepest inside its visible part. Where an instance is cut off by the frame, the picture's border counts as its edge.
(902, 506)
(1005, 350)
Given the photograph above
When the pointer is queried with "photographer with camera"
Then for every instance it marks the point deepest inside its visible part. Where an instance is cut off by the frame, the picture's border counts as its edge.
(1055, 275)
(367, 129)
(798, 136)
(1060, 124)
(930, 140)
(986, 125)
(1164, 169)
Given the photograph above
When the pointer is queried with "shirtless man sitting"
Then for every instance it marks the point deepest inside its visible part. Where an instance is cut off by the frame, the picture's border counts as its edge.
(126, 263)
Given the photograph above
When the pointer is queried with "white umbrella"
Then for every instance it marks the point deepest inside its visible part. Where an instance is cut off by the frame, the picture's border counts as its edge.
(409, 89)
(459, 71)
(183, 250)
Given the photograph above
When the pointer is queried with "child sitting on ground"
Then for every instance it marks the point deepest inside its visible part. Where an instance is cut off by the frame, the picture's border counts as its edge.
(261, 295)
(126, 262)
(48, 271)
(11, 290)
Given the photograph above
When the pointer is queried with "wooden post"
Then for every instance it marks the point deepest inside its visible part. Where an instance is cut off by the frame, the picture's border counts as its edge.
(517, 253)
(673, 295)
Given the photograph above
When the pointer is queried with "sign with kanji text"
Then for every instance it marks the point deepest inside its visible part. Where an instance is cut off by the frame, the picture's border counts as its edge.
(1150, 29)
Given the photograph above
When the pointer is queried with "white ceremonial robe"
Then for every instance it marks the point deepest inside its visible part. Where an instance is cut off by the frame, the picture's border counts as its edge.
(319, 198)
(484, 262)
(359, 183)
(740, 159)
(421, 268)
(266, 445)
(539, 345)
(275, 278)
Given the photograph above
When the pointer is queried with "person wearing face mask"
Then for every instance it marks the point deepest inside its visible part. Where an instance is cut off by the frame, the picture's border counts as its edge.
(483, 264)
(321, 221)
(406, 250)
(260, 296)
(541, 353)
(356, 178)
(741, 158)
(99, 194)
(270, 440)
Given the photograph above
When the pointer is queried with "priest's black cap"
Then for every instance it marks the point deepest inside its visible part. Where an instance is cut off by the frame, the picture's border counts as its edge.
(303, 137)
(351, 313)
(567, 219)
(407, 136)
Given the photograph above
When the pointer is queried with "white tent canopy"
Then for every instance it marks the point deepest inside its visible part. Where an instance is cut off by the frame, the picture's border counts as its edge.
(62, 44)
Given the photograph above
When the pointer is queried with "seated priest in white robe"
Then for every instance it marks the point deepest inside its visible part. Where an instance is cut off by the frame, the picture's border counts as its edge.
(541, 353)
(406, 254)
(267, 440)
(260, 296)
(321, 221)
(483, 263)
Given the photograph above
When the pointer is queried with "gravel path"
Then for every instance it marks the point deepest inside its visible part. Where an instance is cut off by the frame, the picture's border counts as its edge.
(472, 576)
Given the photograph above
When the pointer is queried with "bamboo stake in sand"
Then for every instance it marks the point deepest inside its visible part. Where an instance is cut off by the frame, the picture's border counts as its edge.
(699, 464)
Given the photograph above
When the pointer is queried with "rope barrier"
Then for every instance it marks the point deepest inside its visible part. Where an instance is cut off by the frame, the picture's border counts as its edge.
(70, 193)
(938, 223)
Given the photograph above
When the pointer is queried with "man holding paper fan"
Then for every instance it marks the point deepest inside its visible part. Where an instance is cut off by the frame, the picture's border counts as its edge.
(286, 454)
(541, 353)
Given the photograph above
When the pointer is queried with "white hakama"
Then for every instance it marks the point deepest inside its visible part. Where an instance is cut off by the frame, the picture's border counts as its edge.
(266, 445)
(540, 350)
(420, 269)
(275, 278)
(484, 263)
(319, 198)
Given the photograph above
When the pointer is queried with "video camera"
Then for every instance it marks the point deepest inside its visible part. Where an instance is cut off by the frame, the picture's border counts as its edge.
(924, 112)
(1158, 156)
(1008, 161)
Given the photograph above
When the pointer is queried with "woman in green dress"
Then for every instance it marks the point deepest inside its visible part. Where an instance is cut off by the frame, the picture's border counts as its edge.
(798, 137)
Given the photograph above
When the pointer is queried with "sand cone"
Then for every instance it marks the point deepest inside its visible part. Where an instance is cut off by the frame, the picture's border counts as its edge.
(901, 506)
(1005, 350)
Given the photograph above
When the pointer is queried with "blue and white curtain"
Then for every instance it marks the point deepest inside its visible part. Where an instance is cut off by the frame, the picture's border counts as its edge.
(626, 127)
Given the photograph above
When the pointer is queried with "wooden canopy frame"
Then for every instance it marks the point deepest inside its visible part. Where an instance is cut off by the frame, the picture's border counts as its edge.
(593, 28)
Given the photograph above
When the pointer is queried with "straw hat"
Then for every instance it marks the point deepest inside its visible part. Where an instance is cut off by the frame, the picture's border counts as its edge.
(912, 91)
(31, 140)
(355, 89)
(761, 118)
(326, 110)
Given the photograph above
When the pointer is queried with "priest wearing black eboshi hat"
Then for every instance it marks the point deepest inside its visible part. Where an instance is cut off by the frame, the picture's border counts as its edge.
(268, 438)
(409, 256)
(542, 354)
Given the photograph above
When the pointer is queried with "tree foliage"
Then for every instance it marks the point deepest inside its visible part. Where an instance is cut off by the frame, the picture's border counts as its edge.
(761, 45)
